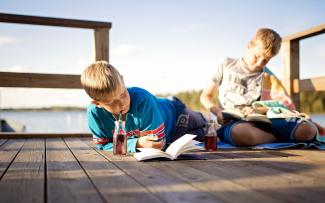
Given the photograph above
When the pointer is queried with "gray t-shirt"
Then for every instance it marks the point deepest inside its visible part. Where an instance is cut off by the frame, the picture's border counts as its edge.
(238, 86)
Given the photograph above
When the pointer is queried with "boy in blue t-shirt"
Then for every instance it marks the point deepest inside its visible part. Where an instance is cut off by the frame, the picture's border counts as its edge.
(150, 121)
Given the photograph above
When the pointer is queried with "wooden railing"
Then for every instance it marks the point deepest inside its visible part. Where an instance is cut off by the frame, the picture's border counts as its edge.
(39, 80)
(290, 61)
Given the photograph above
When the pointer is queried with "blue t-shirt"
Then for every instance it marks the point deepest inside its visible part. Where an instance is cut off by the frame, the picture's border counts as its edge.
(148, 115)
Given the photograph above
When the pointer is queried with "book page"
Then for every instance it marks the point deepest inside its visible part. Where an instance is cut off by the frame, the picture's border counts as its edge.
(258, 118)
(149, 153)
(191, 146)
(150, 150)
(176, 146)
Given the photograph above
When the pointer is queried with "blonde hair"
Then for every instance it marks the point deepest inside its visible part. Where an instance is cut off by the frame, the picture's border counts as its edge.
(271, 41)
(101, 80)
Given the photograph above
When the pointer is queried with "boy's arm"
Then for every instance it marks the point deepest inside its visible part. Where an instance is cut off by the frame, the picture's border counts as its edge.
(107, 143)
(150, 142)
(101, 127)
(152, 126)
(207, 100)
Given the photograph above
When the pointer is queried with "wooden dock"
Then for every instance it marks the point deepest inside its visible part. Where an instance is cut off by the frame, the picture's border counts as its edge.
(40, 168)
(72, 170)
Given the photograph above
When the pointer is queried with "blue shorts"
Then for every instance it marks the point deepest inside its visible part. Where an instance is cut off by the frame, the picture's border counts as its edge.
(188, 121)
(282, 128)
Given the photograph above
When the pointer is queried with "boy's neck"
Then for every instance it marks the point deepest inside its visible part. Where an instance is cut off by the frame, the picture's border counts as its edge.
(249, 69)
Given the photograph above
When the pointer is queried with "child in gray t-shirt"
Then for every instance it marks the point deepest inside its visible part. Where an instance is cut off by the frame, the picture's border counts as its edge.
(239, 82)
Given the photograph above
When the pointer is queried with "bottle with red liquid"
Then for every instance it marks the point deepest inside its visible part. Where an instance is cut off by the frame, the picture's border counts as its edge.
(210, 139)
(119, 138)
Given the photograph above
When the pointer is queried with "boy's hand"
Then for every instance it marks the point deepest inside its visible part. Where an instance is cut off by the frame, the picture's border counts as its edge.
(150, 142)
(247, 110)
(217, 112)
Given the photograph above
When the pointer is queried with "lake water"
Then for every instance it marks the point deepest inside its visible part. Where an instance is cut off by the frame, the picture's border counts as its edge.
(50, 121)
(67, 121)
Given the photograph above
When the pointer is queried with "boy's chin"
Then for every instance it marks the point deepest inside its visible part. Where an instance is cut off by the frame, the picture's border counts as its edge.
(125, 111)
(256, 69)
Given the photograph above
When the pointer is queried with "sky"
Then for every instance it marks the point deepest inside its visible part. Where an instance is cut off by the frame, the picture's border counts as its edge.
(164, 46)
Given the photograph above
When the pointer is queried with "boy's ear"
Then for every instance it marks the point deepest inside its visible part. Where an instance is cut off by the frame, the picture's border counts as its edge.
(95, 102)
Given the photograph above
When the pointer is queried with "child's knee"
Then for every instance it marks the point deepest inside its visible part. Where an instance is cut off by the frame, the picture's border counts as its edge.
(305, 132)
(242, 135)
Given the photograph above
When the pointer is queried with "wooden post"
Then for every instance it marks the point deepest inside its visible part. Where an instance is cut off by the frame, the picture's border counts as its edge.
(101, 44)
(291, 65)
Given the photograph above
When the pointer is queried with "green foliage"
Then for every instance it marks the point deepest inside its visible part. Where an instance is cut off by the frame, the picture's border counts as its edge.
(312, 102)
(191, 99)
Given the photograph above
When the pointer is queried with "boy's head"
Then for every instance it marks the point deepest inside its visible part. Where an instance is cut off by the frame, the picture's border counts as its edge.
(104, 84)
(264, 45)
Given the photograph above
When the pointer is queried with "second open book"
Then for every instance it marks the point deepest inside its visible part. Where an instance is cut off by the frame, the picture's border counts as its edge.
(181, 145)
(230, 114)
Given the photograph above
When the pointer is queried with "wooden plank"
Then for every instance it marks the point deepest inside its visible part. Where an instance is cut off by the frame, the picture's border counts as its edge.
(306, 33)
(38, 80)
(8, 152)
(66, 180)
(302, 162)
(290, 60)
(217, 186)
(101, 36)
(166, 187)
(311, 163)
(37, 20)
(311, 84)
(112, 182)
(24, 180)
(2, 141)
(14, 135)
(262, 175)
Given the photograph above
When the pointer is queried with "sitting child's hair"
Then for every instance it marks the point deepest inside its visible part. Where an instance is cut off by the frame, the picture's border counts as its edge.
(101, 80)
(270, 41)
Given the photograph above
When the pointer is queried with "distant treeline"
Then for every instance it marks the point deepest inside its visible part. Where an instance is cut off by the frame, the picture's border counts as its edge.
(311, 102)
(190, 98)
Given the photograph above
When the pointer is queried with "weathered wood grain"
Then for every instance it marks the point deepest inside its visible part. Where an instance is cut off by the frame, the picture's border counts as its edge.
(66, 180)
(24, 179)
(112, 182)
(166, 187)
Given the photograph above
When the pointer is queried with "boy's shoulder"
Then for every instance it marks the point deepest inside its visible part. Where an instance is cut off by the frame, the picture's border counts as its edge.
(227, 60)
(136, 92)
(139, 95)
(91, 108)
(96, 112)
(268, 71)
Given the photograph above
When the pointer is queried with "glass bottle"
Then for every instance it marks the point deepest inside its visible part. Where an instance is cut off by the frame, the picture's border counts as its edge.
(119, 138)
(210, 139)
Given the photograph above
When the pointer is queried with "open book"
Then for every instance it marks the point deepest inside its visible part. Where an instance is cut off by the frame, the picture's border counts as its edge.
(230, 114)
(181, 145)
